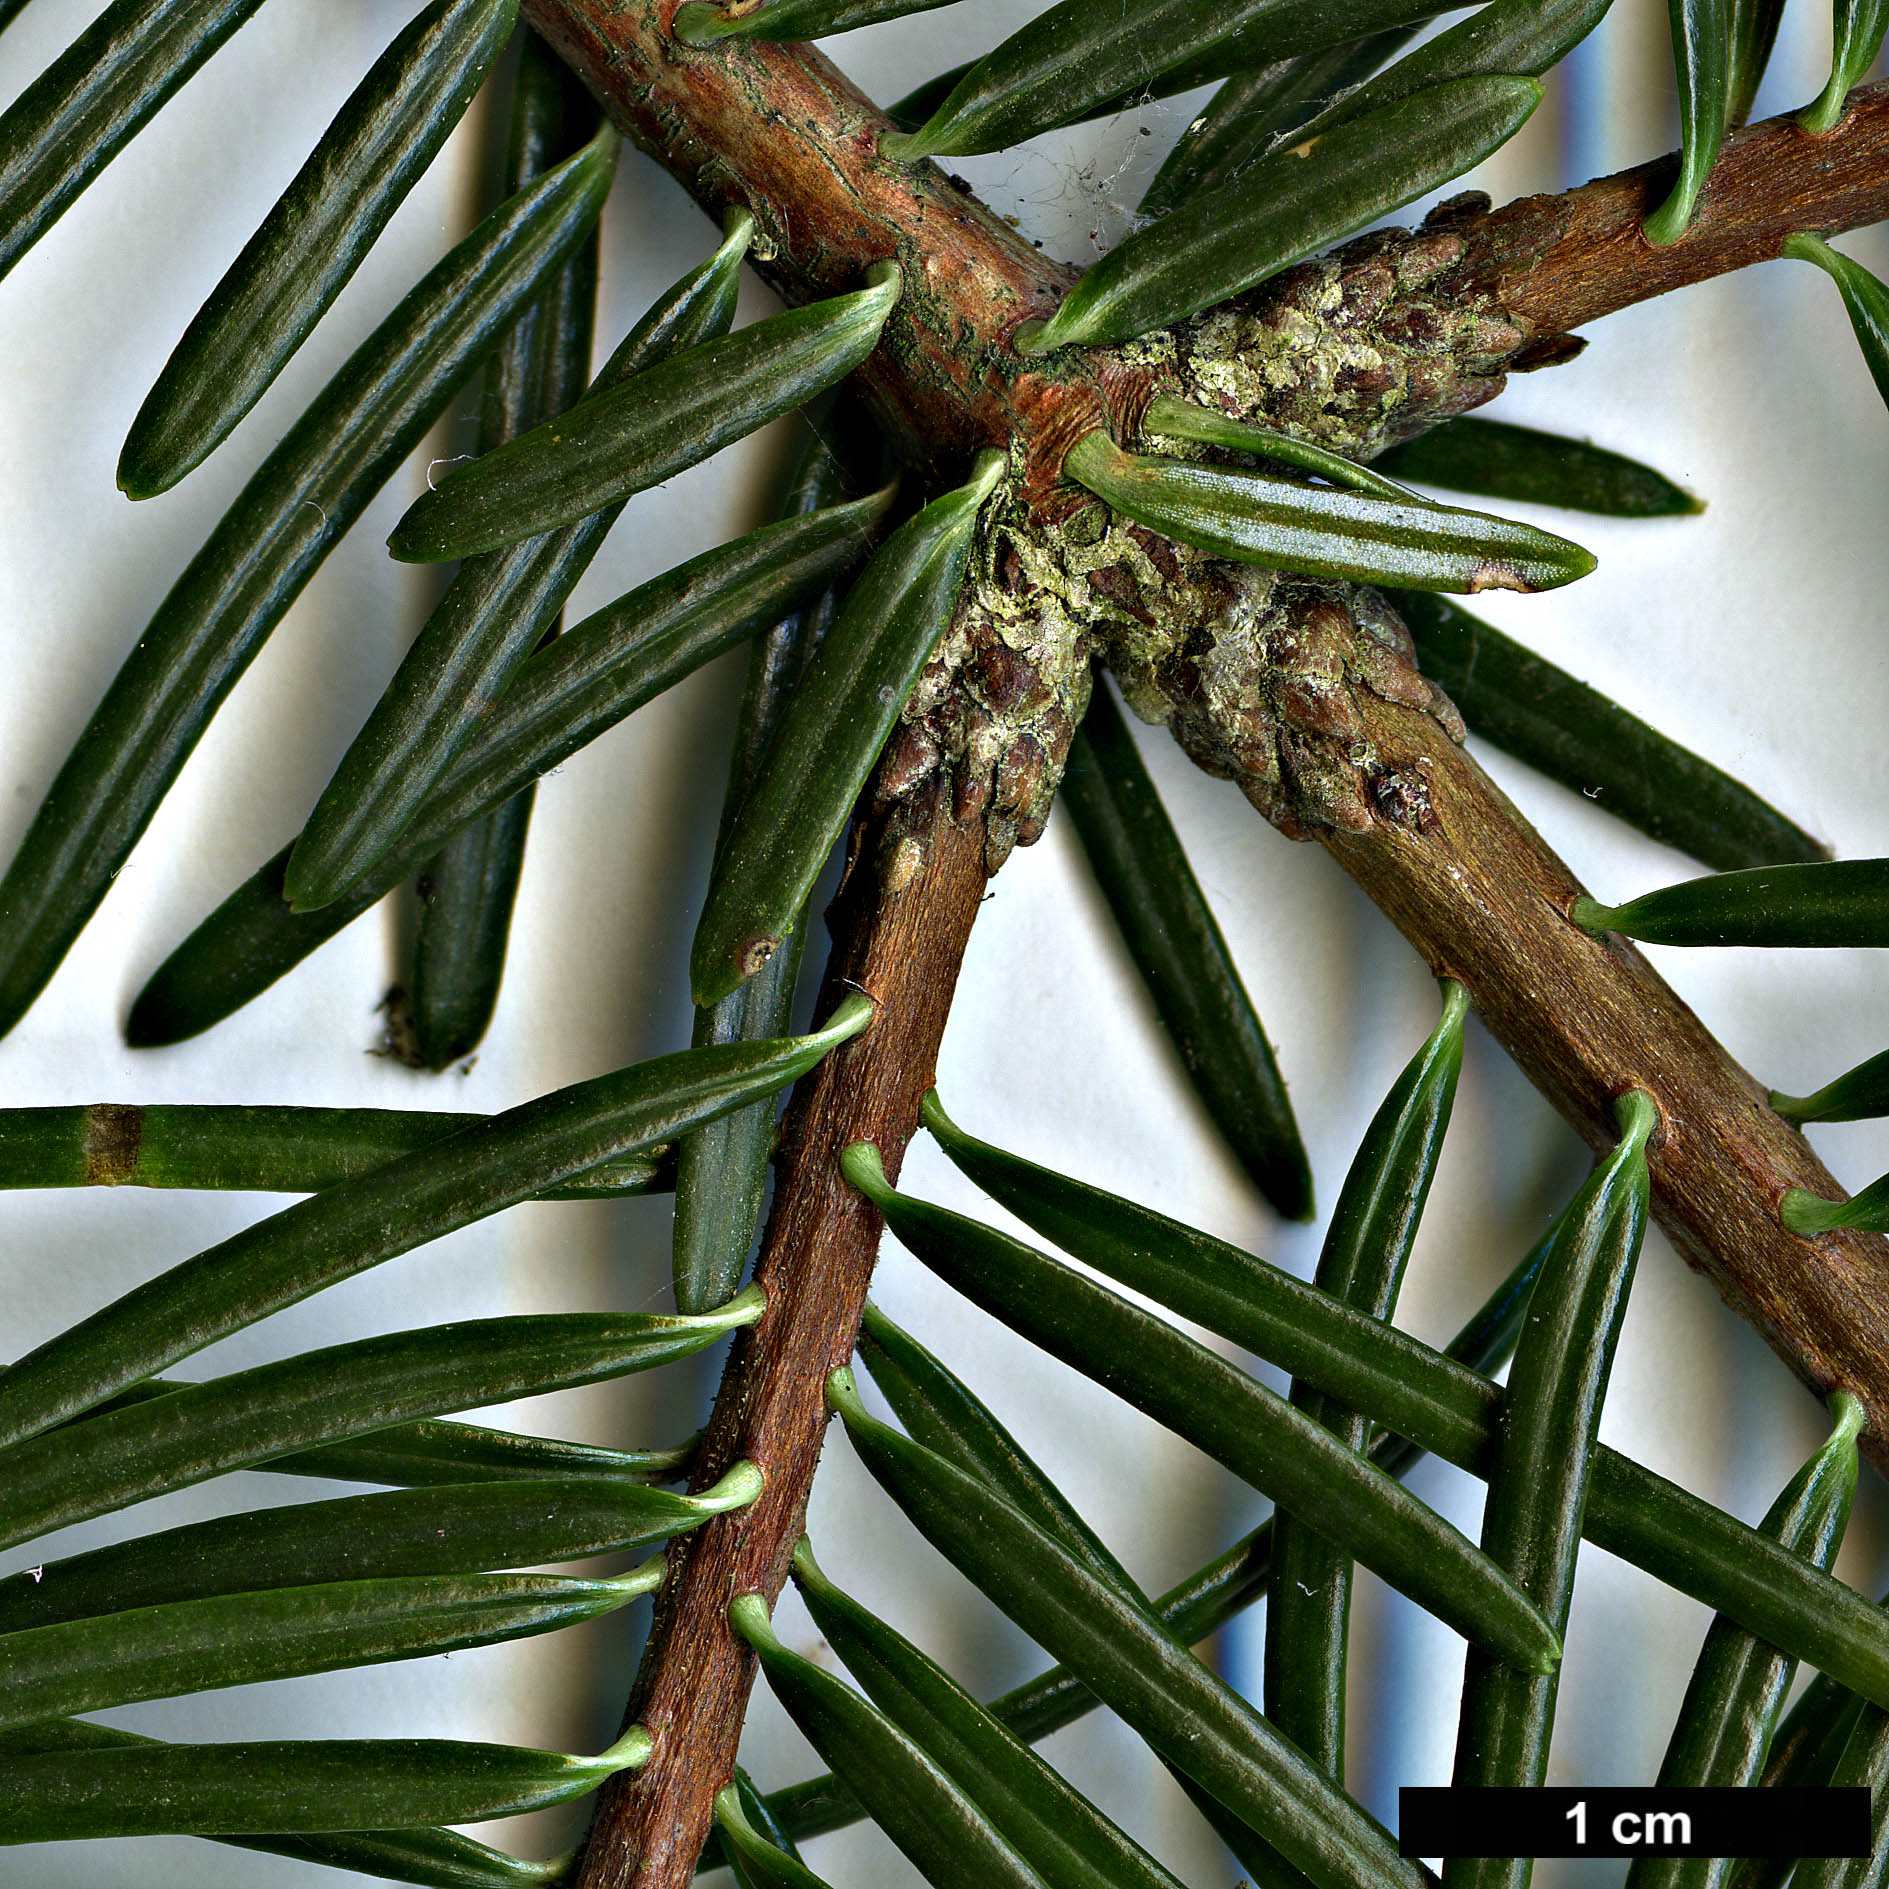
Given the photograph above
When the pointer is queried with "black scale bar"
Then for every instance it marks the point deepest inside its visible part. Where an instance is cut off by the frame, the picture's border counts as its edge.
(1566, 1822)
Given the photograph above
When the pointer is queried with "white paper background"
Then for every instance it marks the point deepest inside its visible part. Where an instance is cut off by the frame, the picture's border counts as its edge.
(1753, 633)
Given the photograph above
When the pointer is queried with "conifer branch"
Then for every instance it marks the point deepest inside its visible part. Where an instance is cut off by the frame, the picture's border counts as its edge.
(1330, 728)
(782, 132)
(779, 130)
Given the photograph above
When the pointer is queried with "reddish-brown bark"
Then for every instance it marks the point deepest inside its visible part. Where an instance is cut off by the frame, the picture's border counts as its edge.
(903, 947)
(1560, 262)
(781, 131)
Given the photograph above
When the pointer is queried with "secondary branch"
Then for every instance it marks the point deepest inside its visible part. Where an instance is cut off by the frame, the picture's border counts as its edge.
(1480, 895)
(781, 130)
(1560, 262)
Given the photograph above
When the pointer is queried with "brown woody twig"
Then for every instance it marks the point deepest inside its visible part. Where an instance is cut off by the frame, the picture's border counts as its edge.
(1560, 262)
(903, 948)
(1480, 895)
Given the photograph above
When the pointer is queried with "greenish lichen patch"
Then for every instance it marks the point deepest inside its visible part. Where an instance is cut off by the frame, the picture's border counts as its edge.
(993, 713)
(1350, 350)
(1257, 672)
(1265, 692)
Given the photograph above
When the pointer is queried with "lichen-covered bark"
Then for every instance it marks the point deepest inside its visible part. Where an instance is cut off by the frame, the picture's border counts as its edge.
(1356, 350)
(1255, 671)
(990, 722)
